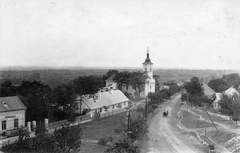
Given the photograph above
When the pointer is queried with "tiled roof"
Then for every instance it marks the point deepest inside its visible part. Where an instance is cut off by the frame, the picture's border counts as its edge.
(105, 99)
(207, 90)
(11, 104)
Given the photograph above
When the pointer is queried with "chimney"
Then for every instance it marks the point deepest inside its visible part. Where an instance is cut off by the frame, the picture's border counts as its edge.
(99, 92)
(111, 90)
(5, 105)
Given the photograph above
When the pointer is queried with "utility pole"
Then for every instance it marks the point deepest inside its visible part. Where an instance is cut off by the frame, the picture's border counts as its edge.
(187, 101)
(205, 124)
(80, 105)
(129, 124)
(146, 110)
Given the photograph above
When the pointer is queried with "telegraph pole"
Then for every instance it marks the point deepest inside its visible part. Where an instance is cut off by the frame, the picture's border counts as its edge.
(146, 109)
(187, 101)
(129, 124)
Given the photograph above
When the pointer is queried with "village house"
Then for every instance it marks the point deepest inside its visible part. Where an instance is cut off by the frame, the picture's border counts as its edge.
(12, 113)
(107, 100)
(230, 92)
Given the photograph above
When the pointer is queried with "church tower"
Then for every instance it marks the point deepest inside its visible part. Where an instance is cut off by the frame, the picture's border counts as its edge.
(148, 70)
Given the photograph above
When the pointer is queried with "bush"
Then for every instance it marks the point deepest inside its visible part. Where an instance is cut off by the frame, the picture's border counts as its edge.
(103, 141)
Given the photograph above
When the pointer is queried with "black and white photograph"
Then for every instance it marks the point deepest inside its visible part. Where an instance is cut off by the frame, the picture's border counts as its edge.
(120, 76)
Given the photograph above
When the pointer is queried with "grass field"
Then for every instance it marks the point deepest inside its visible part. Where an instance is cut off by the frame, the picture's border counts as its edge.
(98, 129)
(227, 135)
(192, 122)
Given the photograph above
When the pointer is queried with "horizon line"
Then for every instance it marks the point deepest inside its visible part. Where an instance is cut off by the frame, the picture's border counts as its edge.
(103, 67)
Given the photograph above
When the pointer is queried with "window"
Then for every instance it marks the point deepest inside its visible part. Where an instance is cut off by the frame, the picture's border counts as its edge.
(15, 123)
(127, 87)
(113, 106)
(4, 125)
(100, 109)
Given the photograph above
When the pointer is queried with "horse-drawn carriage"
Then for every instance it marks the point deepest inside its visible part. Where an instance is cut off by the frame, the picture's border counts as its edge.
(165, 113)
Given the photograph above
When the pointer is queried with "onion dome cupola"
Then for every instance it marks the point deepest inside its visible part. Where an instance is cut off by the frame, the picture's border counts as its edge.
(147, 65)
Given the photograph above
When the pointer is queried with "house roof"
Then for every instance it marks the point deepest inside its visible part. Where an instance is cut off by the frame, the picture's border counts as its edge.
(105, 99)
(207, 90)
(231, 91)
(111, 77)
(11, 104)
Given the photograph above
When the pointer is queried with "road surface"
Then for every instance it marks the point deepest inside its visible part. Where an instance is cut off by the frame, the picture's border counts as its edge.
(164, 136)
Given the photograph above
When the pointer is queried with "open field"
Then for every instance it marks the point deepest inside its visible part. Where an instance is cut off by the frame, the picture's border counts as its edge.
(98, 129)
(193, 122)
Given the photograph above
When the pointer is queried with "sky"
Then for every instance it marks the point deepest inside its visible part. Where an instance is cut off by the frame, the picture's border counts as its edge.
(186, 34)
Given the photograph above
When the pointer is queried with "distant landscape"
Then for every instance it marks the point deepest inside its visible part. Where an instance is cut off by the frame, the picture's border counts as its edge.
(55, 76)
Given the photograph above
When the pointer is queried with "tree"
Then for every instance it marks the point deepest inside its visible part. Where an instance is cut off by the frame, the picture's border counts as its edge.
(34, 77)
(226, 105)
(232, 79)
(65, 101)
(184, 97)
(37, 97)
(87, 85)
(7, 89)
(68, 138)
(137, 80)
(124, 146)
(97, 116)
(157, 82)
(122, 78)
(236, 109)
(218, 85)
(194, 87)
(128, 95)
(109, 73)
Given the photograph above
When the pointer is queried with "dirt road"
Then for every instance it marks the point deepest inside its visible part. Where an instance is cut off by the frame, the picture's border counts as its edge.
(164, 136)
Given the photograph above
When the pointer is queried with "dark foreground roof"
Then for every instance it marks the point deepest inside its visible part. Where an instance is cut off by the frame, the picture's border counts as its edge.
(11, 104)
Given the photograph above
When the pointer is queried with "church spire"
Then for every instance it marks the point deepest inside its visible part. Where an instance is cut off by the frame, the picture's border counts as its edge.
(148, 60)
(147, 52)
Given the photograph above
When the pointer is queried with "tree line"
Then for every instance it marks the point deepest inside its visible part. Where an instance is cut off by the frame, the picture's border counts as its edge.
(229, 104)
(56, 104)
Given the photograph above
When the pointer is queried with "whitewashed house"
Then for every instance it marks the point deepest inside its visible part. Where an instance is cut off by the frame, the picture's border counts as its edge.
(230, 92)
(216, 100)
(105, 101)
(12, 113)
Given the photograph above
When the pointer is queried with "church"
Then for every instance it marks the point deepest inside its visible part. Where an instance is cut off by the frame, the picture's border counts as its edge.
(149, 85)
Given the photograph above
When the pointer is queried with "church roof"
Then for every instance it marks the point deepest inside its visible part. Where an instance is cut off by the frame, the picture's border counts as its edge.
(147, 60)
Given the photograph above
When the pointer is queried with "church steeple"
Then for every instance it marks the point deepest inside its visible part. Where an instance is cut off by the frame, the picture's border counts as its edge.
(148, 70)
(147, 60)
